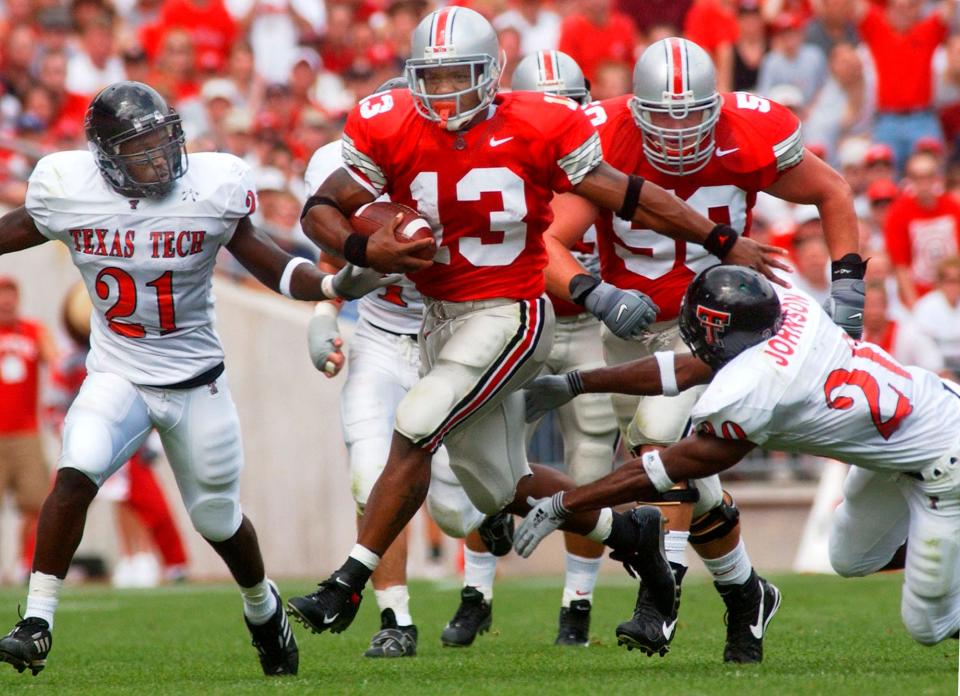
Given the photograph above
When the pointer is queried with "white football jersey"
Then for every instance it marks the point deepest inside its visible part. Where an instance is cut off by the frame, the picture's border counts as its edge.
(397, 308)
(147, 263)
(811, 389)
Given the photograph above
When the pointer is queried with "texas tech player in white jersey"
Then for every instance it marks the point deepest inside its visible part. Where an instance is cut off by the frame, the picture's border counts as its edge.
(398, 308)
(150, 280)
(812, 389)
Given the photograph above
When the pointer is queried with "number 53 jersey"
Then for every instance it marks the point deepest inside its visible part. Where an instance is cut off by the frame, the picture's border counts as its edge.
(147, 263)
(811, 389)
(757, 140)
(486, 191)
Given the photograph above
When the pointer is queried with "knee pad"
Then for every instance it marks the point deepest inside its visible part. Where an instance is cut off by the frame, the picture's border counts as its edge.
(915, 614)
(931, 567)
(716, 523)
(367, 460)
(711, 495)
(590, 460)
(217, 516)
(454, 520)
(425, 407)
(89, 447)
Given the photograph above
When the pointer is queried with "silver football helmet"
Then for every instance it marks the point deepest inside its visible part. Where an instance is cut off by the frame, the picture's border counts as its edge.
(453, 37)
(552, 72)
(676, 104)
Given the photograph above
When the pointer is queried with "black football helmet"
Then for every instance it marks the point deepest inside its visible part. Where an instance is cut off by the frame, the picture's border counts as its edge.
(128, 111)
(725, 310)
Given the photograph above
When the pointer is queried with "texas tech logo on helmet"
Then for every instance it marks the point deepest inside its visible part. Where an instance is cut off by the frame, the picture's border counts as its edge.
(714, 324)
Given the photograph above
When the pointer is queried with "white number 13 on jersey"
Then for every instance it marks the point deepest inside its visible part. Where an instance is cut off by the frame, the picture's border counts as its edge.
(508, 220)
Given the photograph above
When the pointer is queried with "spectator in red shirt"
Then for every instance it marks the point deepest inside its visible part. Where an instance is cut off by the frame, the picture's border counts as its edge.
(923, 227)
(69, 109)
(713, 25)
(173, 70)
(25, 345)
(96, 64)
(902, 44)
(209, 24)
(596, 33)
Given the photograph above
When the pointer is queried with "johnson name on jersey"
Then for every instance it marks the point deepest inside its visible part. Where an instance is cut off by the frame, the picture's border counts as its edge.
(147, 263)
(811, 389)
(485, 191)
(756, 141)
(397, 308)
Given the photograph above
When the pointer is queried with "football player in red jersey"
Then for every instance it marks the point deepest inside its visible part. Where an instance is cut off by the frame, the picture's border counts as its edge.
(482, 169)
(716, 151)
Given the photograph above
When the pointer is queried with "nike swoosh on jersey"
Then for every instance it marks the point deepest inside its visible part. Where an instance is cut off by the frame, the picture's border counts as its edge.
(757, 630)
(721, 153)
(623, 308)
(668, 629)
(494, 141)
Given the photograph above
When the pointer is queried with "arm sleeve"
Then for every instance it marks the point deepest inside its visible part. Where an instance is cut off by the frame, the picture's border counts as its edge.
(360, 153)
(578, 151)
(733, 409)
(39, 197)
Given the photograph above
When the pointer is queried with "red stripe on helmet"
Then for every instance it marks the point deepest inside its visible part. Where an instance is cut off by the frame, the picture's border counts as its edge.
(676, 61)
(549, 72)
(440, 25)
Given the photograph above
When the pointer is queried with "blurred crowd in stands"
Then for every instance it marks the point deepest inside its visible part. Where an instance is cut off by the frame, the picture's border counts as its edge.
(875, 83)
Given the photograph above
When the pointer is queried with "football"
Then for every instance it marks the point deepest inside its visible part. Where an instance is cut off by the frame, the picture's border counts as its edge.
(372, 216)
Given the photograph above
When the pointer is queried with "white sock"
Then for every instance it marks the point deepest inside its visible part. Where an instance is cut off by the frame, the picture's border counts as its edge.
(396, 597)
(259, 603)
(365, 556)
(581, 578)
(43, 595)
(479, 570)
(604, 525)
(733, 568)
(675, 544)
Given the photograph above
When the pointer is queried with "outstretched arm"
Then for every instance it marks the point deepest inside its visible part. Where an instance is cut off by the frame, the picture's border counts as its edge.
(296, 277)
(608, 188)
(325, 221)
(18, 231)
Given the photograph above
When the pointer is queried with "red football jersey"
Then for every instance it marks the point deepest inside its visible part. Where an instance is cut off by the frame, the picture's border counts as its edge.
(756, 141)
(485, 191)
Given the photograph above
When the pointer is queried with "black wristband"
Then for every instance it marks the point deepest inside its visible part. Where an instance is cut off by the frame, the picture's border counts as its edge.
(720, 240)
(319, 200)
(580, 286)
(631, 199)
(850, 266)
(355, 250)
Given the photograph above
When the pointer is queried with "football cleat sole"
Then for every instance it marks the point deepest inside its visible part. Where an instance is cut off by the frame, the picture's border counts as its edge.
(633, 644)
(22, 665)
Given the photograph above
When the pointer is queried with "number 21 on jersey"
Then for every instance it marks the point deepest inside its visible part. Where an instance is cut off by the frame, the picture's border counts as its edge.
(128, 298)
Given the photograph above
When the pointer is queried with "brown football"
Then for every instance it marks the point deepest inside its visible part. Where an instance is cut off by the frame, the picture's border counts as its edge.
(372, 216)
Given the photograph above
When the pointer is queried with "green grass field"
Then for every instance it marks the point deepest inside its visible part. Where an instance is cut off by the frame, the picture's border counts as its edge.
(831, 636)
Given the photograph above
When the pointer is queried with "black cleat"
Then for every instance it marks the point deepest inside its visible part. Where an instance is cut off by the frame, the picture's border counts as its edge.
(274, 642)
(27, 645)
(650, 629)
(574, 624)
(474, 615)
(392, 640)
(332, 607)
(750, 607)
(497, 533)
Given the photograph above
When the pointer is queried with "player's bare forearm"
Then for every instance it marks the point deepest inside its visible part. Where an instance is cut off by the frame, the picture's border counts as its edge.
(572, 217)
(18, 231)
(327, 225)
(814, 182)
(266, 261)
(696, 456)
(642, 377)
(606, 187)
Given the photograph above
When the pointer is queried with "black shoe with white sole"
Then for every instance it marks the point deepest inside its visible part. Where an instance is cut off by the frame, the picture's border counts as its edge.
(331, 608)
(750, 607)
(27, 645)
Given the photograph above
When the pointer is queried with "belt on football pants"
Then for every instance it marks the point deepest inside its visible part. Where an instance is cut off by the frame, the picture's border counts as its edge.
(200, 380)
